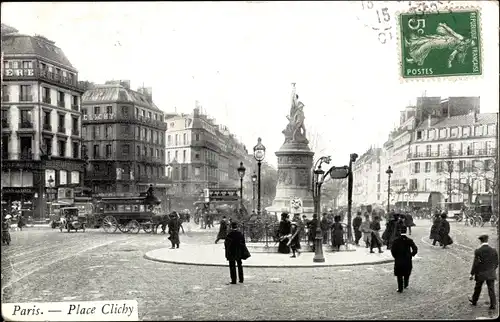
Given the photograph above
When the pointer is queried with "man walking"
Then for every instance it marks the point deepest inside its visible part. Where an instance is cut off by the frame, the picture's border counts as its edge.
(356, 224)
(173, 229)
(236, 250)
(484, 270)
(222, 230)
(324, 225)
(444, 231)
(403, 249)
(365, 229)
(313, 225)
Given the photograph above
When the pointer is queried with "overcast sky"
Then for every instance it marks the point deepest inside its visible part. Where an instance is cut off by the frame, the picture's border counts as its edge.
(239, 60)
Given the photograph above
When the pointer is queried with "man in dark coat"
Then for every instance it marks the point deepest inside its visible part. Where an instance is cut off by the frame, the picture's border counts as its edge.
(391, 230)
(236, 251)
(403, 249)
(484, 270)
(434, 235)
(313, 225)
(222, 229)
(174, 225)
(284, 231)
(408, 219)
(325, 226)
(444, 231)
(356, 223)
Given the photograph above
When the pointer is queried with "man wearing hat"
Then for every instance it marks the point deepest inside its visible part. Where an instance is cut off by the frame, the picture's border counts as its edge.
(444, 231)
(294, 241)
(484, 270)
(403, 249)
(236, 250)
(174, 225)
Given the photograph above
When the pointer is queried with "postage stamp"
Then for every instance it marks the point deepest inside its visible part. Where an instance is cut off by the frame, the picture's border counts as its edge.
(440, 44)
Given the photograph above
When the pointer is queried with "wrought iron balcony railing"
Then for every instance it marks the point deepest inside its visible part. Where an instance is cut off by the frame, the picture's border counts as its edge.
(61, 129)
(25, 125)
(47, 127)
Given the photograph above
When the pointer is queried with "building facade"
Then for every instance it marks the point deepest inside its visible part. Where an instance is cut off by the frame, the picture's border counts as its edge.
(444, 150)
(201, 154)
(124, 140)
(41, 123)
(367, 174)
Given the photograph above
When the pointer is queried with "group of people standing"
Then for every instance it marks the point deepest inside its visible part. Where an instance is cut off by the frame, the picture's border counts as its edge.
(440, 231)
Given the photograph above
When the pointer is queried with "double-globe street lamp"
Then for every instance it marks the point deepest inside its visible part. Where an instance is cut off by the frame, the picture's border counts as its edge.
(259, 153)
(317, 180)
(389, 173)
(241, 171)
(254, 182)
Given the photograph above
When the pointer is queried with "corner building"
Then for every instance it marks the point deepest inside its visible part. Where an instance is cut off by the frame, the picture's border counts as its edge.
(41, 122)
(124, 140)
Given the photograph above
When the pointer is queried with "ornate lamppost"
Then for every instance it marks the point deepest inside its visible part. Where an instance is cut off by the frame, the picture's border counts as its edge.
(254, 182)
(259, 153)
(318, 179)
(350, 179)
(50, 193)
(389, 173)
(241, 171)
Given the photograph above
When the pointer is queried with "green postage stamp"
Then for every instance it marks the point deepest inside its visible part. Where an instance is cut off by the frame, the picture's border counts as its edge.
(440, 44)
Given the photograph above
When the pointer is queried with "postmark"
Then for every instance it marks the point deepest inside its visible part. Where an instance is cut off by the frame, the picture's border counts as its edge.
(440, 44)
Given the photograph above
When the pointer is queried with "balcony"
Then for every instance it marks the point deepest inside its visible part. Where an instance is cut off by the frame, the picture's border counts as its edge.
(47, 127)
(60, 104)
(5, 98)
(57, 79)
(25, 155)
(75, 107)
(75, 132)
(25, 98)
(46, 100)
(26, 125)
(61, 129)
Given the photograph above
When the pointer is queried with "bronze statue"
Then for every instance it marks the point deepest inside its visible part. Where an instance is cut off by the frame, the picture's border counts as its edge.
(295, 131)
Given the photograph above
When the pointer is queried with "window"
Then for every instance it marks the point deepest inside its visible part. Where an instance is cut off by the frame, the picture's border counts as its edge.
(454, 132)
(108, 132)
(75, 125)
(96, 151)
(413, 184)
(97, 132)
(431, 134)
(488, 165)
(169, 140)
(176, 139)
(197, 156)
(108, 150)
(143, 113)
(74, 100)
(197, 137)
(46, 119)
(75, 150)
(184, 156)
(61, 123)
(60, 99)
(416, 167)
(168, 157)
(109, 109)
(151, 152)
(84, 111)
(138, 151)
(97, 110)
(478, 130)
(26, 116)
(427, 185)
(185, 138)
(442, 133)
(439, 166)
(419, 135)
(27, 64)
(125, 110)
(62, 148)
(176, 155)
(46, 95)
(47, 144)
(157, 153)
(197, 171)
(156, 117)
(136, 112)
(427, 167)
(145, 151)
(428, 150)
(25, 93)
(149, 114)
(491, 130)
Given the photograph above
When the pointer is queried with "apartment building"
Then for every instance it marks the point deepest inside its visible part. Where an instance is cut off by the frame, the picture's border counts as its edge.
(41, 122)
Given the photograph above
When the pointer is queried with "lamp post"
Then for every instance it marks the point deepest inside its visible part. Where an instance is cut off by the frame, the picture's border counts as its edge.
(241, 171)
(259, 153)
(50, 193)
(350, 179)
(389, 173)
(254, 182)
(318, 179)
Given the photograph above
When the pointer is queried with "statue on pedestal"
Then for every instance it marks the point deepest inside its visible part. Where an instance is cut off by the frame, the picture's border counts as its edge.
(295, 131)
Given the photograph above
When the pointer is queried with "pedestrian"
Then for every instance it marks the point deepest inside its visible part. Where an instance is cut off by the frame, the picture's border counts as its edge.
(390, 230)
(324, 225)
(173, 229)
(409, 222)
(284, 234)
(164, 222)
(294, 240)
(356, 224)
(236, 251)
(403, 250)
(375, 241)
(444, 232)
(484, 270)
(20, 222)
(337, 233)
(222, 229)
(365, 229)
(313, 225)
(434, 235)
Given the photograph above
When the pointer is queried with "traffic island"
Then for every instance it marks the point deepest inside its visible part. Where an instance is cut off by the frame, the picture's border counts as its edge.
(214, 255)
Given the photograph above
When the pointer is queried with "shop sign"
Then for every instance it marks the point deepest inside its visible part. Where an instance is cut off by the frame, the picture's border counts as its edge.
(19, 72)
(17, 190)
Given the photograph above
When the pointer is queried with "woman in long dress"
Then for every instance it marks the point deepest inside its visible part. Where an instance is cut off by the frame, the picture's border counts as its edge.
(376, 241)
(337, 233)
(284, 234)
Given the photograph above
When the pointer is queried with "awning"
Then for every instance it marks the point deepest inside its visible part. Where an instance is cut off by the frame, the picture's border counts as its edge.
(420, 197)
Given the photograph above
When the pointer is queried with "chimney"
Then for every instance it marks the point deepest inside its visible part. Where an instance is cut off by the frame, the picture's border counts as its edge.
(148, 92)
(475, 116)
(196, 112)
(125, 83)
(429, 120)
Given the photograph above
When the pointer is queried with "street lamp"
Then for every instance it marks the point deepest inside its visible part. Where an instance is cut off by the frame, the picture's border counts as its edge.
(389, 173)
(254, 182)
(50, 193)
(241, 172)
(259, 153)
(350, 179)
(318, 181)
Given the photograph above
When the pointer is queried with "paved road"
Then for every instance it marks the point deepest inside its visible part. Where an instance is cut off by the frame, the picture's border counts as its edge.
(46, 265)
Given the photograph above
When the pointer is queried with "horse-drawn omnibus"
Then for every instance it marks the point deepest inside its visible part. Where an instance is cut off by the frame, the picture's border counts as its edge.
(128, 214)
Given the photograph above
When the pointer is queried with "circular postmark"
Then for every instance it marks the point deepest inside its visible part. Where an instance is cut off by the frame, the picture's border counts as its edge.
(377, 16)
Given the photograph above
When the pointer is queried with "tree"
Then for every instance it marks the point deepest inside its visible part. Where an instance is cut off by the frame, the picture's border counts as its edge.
(333, 189)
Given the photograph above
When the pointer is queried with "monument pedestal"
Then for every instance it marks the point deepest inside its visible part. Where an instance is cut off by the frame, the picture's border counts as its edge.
(294, 178)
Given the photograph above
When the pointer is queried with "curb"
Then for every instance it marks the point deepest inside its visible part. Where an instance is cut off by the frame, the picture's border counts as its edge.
(154, 259)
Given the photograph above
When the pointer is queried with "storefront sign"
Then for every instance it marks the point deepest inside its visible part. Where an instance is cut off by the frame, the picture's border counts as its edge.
(17, 190)
(19, 72)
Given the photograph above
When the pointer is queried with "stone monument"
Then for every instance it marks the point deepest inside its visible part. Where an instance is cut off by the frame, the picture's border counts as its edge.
(294, 163)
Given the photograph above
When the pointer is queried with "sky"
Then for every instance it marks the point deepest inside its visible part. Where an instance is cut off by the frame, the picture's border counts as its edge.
(239, 59)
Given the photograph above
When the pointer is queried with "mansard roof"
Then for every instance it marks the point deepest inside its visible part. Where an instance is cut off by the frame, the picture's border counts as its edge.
(460, 120)
(115, 93)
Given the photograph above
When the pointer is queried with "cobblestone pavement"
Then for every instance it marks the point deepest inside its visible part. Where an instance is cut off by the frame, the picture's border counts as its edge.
(46, 265)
